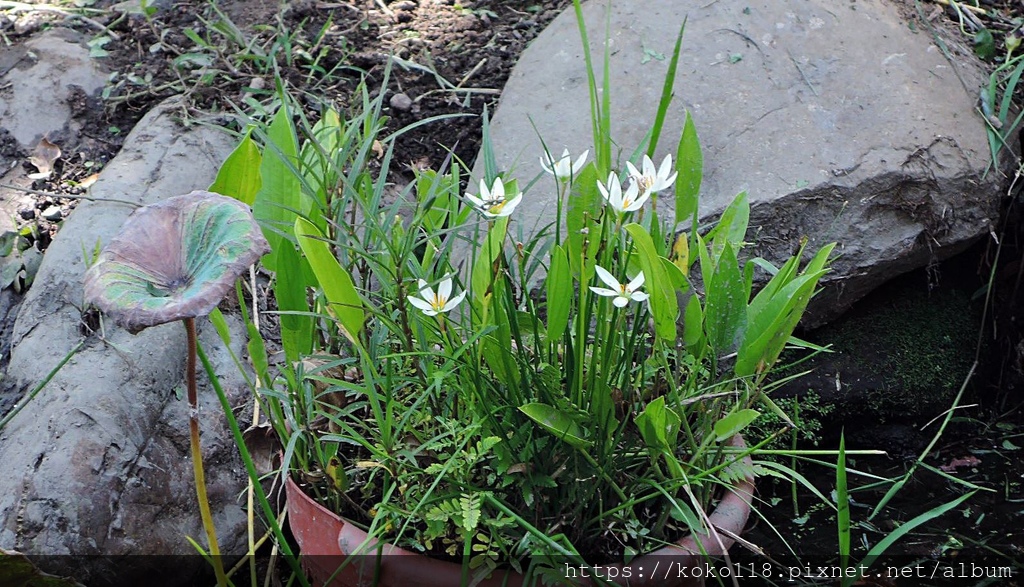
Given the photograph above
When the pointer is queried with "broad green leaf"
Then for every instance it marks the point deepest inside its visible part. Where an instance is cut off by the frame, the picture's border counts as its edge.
(582, 206)
(770, 328)
(664, 305)
(258, 353)
(659, 425)
(290, 292)
(437, 192)
(280, 197)
(725, 317)
(336, 283)
(731, 227)
(487, 253)
(734, 423)
(559, 293)
(557, 423)
(239, 175)
(690, 166)
(693, 323)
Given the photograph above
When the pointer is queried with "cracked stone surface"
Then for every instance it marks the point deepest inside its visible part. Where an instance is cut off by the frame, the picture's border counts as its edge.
(841, 122)
(98, 462)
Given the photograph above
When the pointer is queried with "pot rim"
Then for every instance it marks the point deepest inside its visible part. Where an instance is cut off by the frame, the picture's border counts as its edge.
(727, 519)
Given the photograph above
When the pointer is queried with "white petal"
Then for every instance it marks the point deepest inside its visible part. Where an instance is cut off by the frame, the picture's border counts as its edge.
(580, 161)
(649, 170)
(444, 289)
(608, 278)
(498, 190)
(666, 167)
(454, 302)
(510, 205)
(639, 202)
(485, 194)
(633, 171)
(603, 190)
(475, 201)
(620, 301)
(608, 293)
(545, 164)
(631, 196)
(638, 296)
(425, 290)
(421, 304)
(667, 182)
(636, 283)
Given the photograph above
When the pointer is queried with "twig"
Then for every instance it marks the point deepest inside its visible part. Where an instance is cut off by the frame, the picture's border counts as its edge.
(802, 74)
(472, 72)
(974, 9)
(24, 7)
(69, 196)
(384, 7)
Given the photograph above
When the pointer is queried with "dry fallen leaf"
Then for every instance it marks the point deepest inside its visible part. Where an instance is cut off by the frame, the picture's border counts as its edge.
(89, 180)
(43, 157)
(378, 149)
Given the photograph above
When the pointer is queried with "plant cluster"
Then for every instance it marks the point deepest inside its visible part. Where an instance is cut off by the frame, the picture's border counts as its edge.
(459, 387)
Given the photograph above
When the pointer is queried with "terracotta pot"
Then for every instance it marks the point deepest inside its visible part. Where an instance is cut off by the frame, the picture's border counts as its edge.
(326, 541)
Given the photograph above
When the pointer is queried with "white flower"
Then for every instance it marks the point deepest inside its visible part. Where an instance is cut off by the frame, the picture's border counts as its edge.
(651, 180)
(432, 303)
(492, 202)
(622, 293)
(565, 168)
(616, 199)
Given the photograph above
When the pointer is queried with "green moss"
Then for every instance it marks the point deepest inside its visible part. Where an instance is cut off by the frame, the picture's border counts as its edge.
(911, 349)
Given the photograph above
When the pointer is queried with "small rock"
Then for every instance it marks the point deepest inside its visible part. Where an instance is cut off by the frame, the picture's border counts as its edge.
(403, 5)
(29, 22)
(401, 102)
(27, 213)
(53, 214)
(258, 83)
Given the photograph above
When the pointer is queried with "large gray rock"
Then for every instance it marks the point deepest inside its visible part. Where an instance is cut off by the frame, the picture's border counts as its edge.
(841, 121)
(98, 463)
(40, 80)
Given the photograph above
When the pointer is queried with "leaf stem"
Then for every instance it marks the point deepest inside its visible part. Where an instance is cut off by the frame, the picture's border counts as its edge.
(197, 456)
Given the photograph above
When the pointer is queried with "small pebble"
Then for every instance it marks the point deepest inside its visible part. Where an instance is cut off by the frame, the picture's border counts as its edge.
(403, 5)
(258, 83)
(401, 102)
(27, 213)
(53, 214)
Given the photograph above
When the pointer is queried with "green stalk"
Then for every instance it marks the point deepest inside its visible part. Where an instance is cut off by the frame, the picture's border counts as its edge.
(197, 457)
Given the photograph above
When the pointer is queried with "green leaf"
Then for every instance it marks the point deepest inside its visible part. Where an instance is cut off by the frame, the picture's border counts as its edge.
(582, 208)
(725, 318)
(664, 305)
(843, 508)
(290, 292)
(985, 44)
(557, 423)
(487, 254)
(559, 292)
(279, 199)
(239, 175)
(659, 425)
(221, 325)
(693, 324)
(734, 423)
(336, 283)
(690, 166)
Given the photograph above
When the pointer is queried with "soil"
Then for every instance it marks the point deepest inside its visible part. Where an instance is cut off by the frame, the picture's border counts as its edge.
(455, 57)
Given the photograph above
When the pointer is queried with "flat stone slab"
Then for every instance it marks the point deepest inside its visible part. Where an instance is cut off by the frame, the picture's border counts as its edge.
(840, 121)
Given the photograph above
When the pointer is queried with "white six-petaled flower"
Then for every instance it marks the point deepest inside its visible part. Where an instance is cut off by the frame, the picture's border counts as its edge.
(564, 168)
(623, 293)
(492, 203)
(622, 202)
(433, 303)
(652, 180)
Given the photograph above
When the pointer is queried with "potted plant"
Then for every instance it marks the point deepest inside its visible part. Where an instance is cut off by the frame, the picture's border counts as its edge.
(516, 405)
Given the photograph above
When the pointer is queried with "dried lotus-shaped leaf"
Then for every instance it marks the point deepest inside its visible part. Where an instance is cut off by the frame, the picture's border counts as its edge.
(173, 260)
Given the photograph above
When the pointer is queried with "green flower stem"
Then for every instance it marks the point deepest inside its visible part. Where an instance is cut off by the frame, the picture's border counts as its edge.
(197, 457)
